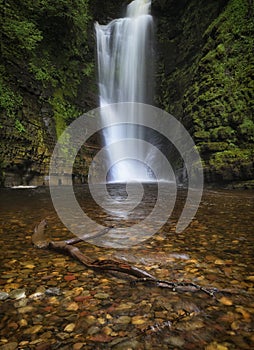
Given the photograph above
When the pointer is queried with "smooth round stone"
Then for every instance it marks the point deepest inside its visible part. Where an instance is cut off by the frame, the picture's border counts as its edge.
(78, 346)
(124, 319)
(101, 295)
(33, 330)
(25, 309)
(90, 319)
(250, 278)
(107, 330)
(9, 346)
(70, 327)
(225, 301)
(175, 341)
(29, 266)
(128, 305)
(36, 296)
(3, 296)
(138, 320)
(17, 294)
(62, 335)
(93, 330)
(23, 322)
(131, 344)
(72, 306)
(40, 289)
(53, 291)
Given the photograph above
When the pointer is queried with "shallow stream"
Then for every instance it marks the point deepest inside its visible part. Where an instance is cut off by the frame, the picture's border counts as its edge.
(77, 308)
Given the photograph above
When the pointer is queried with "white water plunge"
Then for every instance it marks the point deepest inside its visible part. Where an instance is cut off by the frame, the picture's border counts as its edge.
(125, 74)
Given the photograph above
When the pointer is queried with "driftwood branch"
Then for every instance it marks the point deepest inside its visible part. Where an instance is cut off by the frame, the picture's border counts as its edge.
(40, 240)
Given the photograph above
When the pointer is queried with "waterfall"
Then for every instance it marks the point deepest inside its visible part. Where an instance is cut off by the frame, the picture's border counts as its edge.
(125, 74)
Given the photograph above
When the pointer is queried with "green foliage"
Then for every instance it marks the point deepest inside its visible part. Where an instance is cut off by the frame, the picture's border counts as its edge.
(220, 99)
(231, 156)
(64, 112)
(47, 40)
(89, 69)
(23, 32)
(19, 126)
(43, 70)
(10, 102)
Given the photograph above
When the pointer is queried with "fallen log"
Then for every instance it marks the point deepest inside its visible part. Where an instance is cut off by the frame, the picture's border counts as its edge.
(42, 241)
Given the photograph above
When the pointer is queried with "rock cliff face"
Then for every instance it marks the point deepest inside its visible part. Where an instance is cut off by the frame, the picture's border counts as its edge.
(204, 77)
(47, 79)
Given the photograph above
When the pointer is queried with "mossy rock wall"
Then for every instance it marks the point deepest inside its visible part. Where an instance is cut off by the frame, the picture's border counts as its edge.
(47, 79)
(205, 79)
(220, 100)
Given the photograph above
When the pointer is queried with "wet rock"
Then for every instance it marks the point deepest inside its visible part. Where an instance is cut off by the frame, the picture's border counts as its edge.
(37, 296)
(40, 289)
(101, 295)
(138, 320)
(62, 335)
(130, 344)
(23, 322)
(216, 346)
(73, 306)
(101, 320)
(250, 278)
(17, 294)
(25, 309)
(13, 325)
(53, 301)
(3, 296)
(244, 313)
(78, 346)
(69, 278)
(33, 330)
(29, 266)
(124, 319)
(175, 341)
(21, 303)
(225, 301)
(9, 346)
(100, 338)
(69, 328)
(107, 330)
(93, 330)
(44, 346)
(53, 291)
(124, 306)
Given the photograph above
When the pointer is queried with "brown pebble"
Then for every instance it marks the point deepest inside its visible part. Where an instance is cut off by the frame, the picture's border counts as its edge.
(78, 346)
(43, 346)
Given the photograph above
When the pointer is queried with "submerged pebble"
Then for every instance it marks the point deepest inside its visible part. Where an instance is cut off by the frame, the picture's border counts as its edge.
(98, 311)
(17, 294)
(53, 291)
(4, 296)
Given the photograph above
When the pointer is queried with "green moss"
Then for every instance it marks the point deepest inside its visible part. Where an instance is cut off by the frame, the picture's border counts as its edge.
(246, 129)
(233, 156)
(222, 93)
(64, 111)
(202, 135)
(211, 147)
(223, 133)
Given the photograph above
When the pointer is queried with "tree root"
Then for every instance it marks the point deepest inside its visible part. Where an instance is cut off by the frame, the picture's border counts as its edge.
(40, 240)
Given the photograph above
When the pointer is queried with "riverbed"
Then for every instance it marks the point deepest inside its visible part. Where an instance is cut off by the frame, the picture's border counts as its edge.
(50, 301)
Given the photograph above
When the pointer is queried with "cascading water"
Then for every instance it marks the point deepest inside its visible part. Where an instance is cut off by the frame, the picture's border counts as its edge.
(125, 72)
